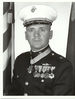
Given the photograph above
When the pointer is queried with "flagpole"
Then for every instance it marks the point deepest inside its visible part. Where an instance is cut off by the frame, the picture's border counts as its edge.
(13, 40)
(11, 21)
(13, 50)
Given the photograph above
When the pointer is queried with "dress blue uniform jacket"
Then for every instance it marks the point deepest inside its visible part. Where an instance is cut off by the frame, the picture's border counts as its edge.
(25, 83)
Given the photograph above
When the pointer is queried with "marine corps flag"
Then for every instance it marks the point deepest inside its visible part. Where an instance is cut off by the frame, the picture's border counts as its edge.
(8, 12)
(71, 40)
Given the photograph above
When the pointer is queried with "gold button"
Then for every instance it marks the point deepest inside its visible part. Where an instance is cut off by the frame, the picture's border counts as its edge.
(52, 54)
(17, 76)
(42, 80)
(25, 94)
(26, 83)
(61, 57)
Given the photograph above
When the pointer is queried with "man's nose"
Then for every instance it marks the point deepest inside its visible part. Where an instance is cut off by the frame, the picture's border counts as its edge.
(36, 33)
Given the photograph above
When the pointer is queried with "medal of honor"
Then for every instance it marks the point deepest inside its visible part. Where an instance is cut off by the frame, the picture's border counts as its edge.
(44, 70)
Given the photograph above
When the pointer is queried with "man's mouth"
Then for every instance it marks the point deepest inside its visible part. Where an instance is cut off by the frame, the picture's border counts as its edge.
(36, 39)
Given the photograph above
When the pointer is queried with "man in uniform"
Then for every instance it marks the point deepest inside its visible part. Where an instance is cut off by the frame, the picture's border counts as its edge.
(40, 71)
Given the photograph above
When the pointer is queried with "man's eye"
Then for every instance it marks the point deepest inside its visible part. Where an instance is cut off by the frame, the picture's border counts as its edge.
(42, 29)
(30, 30)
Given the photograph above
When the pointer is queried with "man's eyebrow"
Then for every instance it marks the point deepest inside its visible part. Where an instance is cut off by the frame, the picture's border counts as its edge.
(43, 27)
(30, 28)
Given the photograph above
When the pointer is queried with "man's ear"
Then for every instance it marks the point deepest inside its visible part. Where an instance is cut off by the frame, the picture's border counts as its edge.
(26, 35)
(51, 34)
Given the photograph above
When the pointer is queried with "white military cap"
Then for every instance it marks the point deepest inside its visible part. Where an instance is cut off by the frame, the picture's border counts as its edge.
(37, 14)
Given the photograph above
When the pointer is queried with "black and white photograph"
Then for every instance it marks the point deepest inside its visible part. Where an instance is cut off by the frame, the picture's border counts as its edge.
(38, 48)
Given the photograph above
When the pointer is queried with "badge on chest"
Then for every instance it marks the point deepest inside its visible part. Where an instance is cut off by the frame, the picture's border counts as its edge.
(42, 71)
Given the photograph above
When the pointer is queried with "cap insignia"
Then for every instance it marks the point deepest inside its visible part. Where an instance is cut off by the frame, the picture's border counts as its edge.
(33, 9)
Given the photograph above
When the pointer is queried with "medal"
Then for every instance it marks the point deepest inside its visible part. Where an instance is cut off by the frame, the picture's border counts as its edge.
(36, 74)
(30, 69)
(51, 75)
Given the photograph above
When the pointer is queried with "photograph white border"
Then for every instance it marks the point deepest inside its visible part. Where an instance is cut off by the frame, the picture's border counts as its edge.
(1, 56)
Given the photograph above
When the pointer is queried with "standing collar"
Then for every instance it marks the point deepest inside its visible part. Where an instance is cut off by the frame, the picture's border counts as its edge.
(34, 54)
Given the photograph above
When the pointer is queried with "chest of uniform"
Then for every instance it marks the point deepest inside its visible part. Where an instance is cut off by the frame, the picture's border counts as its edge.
(38, 74)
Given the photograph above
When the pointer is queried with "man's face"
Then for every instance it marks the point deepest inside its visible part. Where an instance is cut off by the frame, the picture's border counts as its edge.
(38, 36)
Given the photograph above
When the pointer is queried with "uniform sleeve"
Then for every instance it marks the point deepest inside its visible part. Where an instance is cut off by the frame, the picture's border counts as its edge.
(63, 84)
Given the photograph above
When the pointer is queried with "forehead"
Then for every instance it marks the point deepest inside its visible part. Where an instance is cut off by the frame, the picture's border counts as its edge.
(38, 26)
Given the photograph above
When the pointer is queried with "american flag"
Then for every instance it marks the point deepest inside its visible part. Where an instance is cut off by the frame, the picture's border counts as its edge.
(8, 42)
(71, 40)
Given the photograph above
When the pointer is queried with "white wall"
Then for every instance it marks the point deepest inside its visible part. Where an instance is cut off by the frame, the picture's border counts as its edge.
(59, 27)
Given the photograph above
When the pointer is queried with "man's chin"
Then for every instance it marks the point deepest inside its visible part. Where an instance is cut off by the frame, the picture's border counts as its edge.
(37, 47)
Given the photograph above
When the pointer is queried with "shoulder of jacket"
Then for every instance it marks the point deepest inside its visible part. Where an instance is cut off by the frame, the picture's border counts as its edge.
(60, 58)
(23, 55)
(63, 60)
(20, 61)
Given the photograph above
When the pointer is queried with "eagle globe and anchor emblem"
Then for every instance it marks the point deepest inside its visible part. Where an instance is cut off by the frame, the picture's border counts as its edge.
(33, 9)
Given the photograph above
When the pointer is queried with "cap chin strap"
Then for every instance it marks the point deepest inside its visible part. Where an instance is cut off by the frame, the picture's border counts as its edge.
(37, 22)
